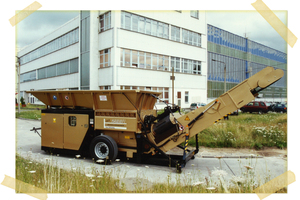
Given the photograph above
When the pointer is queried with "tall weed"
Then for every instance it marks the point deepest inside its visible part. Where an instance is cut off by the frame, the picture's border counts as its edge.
(246, 130)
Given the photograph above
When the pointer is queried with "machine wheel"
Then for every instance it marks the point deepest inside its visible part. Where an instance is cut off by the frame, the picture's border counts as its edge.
(103, 147)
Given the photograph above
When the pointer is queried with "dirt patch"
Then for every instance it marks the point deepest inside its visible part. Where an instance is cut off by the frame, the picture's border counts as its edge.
(236, 152)
(272, 152)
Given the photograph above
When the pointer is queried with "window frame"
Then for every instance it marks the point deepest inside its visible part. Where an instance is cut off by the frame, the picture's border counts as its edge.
(104, 22)
(186, 96)
(71, 120)
(194, 14)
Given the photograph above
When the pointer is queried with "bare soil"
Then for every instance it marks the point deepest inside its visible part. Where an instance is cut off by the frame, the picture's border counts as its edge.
(235, 152)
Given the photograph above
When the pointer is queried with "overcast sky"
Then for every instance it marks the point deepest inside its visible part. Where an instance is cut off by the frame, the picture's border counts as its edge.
(41, 23)
(251, 23)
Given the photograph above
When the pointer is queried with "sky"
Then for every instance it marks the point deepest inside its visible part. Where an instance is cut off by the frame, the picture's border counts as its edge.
(40, 24)
(251, 23)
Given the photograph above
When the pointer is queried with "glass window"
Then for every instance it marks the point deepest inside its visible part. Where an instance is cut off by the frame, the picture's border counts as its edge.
(74, 65)
(166, 63)
(67, 41)
(135, 22)
(153, 27)
(185, 36)
(72, 120)
(177, 67)
(105, 22)
(28, 76)
(101, 23)
(148, 60)
(105, 58)
(127, 58)
(154, 61)
(195, 13)
(185, 66)
(186, 97)
(166, 31)
(41, 73)
(141, 60)
(148, 26)
(166, 95)
(102, 59)
(62, 68)
(51, 71)
(196, 67)
(160, 29)
(175, 33)
(160, 62)
(191, 38)
(127, 21)
(134, 58)
(142, 24)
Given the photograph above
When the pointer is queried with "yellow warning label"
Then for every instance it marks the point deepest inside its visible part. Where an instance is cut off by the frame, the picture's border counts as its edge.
(187, 118)
(127, 137)
(43, 114)
(54, 120)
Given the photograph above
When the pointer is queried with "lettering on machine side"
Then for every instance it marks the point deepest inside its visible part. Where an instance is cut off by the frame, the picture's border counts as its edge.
(103, 97)
(115, 124)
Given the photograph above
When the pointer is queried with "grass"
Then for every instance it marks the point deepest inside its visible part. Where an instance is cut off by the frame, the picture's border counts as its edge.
(32, 107)
(30, 111)
(29, 114)
(53, 179)
(246, 131)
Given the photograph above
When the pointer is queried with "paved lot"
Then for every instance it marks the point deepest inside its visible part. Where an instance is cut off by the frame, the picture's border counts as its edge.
(28, 145)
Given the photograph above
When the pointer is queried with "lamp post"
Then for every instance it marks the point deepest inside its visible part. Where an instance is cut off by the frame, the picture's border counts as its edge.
(224, 72)
(173, 95)
(18, 71)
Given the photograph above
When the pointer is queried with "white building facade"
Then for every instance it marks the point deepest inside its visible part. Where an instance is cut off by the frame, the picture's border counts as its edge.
(117, 50)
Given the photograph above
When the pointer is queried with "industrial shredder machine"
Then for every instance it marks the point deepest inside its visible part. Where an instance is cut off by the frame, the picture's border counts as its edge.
(122, 123)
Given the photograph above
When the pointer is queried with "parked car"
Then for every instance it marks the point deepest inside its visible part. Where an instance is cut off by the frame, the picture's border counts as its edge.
(280, 107)
(196, 105)
(271, 106)
(255, 106)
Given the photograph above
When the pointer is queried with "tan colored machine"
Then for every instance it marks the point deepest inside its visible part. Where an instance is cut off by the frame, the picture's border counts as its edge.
(122, 123)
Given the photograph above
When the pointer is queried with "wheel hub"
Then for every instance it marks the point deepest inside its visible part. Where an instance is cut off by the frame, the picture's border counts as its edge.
(101, 150)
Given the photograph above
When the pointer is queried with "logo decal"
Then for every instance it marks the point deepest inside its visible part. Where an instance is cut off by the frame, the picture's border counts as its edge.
(181, 128)
(67, 98)
(54, 97)
(103, 97)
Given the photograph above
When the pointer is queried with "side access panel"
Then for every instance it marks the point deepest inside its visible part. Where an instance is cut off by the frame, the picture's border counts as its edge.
(52, 130)
(75, 129)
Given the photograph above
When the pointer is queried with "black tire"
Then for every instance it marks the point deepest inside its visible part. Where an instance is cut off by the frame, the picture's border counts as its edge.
(103, 147)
